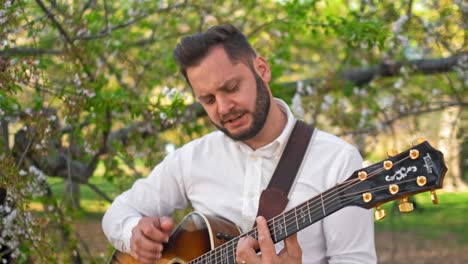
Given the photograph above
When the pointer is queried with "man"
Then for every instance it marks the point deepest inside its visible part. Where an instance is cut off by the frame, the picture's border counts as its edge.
(224, 172)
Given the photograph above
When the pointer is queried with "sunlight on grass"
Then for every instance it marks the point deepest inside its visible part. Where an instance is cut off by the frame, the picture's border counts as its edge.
(431, 221)
(445, 220)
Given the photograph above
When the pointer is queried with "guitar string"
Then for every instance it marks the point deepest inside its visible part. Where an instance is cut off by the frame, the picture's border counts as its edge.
(330, 195)
(291, 225)
(229, 254)
(346, 185)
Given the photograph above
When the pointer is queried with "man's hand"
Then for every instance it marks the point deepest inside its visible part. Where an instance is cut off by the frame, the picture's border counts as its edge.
(247, 246)
(148, 236)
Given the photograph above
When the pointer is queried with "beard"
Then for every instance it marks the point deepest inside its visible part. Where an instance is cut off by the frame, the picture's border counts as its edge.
(259, 115)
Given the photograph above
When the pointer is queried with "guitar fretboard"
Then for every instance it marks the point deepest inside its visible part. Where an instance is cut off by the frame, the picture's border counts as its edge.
(282, 225)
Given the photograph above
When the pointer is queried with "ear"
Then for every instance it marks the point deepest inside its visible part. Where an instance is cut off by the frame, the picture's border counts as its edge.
(263, 69)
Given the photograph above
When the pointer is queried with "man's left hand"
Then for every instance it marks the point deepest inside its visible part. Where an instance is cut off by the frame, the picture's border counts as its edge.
(247, 246)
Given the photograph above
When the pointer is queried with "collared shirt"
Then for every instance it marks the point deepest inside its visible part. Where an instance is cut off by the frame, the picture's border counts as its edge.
(220, 176)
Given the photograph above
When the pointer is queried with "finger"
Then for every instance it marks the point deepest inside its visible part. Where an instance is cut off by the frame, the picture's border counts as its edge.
(150, 227)
(145, 250)
(264, 239)
(146, 257)
(246, 249)
(167, 224)
(141, 243)
(292, 247)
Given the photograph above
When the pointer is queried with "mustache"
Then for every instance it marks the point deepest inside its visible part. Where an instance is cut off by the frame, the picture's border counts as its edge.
(231, 115)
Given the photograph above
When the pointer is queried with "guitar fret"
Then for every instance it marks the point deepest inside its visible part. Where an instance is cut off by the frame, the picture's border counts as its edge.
(285, 227)
(274, 229)
(233, 250)
(323, 206)
(295, 215)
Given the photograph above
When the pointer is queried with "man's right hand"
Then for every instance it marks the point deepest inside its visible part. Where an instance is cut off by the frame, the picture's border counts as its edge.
(148, 236)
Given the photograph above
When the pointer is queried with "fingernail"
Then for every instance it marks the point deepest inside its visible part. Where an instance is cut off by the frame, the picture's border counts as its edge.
(166, 239)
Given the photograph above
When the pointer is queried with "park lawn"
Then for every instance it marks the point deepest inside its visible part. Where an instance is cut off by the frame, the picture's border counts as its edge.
(90, 201)
(446, 219)
(449, 218)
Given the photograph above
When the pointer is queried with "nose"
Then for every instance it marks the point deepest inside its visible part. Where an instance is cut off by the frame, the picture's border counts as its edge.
(224, 105)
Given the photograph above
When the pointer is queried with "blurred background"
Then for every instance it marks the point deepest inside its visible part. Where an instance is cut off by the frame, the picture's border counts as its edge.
(91, 100)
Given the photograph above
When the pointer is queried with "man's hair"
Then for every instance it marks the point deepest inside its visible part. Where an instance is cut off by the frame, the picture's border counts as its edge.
(192, 49)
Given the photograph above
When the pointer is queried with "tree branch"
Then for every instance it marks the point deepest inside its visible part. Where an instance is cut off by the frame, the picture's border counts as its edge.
(364, 75)
(99, 192)
(104, 33)
(414, 112)
(5, 135)
(25, 51)
(64, 33)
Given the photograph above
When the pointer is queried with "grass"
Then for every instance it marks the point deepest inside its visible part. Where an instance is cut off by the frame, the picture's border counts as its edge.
(90, 201)
(446, 219)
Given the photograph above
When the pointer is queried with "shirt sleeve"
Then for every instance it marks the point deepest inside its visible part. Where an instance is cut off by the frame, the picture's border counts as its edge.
(159, 194)
(349, 233)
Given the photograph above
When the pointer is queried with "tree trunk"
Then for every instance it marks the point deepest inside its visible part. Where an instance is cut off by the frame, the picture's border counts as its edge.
(451, 146)
(71, 195)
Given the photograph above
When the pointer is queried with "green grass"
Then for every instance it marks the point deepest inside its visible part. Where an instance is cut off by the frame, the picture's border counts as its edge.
(90, 201)
(449, 218)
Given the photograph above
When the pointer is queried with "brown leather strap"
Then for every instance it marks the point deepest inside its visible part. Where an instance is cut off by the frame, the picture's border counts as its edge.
(274, 198)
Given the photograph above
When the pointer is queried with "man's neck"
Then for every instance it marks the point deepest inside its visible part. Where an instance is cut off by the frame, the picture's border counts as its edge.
(274, 125)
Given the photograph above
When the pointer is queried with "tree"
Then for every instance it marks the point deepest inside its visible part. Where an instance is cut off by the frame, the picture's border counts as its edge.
(92, 83)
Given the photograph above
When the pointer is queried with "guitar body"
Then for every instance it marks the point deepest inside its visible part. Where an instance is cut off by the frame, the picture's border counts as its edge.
(195, 235)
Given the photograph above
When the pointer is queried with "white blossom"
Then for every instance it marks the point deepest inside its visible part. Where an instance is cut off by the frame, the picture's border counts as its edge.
(172, 93)
(165, 90)
(398, 84)
(37, 172)
(77, 79)
(399, 23)
(297, 106)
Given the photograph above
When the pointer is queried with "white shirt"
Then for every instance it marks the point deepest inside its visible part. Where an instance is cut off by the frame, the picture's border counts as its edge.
(223, 177)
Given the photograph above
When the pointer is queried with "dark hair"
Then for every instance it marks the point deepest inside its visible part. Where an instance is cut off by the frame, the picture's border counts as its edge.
(192, 49)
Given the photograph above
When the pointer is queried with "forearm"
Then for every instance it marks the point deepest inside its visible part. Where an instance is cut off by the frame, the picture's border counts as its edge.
(118, 222)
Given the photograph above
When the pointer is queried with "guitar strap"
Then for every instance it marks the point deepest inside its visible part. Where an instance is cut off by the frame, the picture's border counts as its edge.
(274, 198)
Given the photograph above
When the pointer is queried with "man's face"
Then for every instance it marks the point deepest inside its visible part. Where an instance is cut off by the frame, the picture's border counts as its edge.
(235, 98)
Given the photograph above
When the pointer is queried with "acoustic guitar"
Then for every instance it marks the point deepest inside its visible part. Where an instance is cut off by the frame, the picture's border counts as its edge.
(208, 239)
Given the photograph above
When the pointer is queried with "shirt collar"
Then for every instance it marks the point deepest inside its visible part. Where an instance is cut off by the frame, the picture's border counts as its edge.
(274, 148)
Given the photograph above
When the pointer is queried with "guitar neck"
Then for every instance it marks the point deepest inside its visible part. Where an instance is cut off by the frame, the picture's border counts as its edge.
(284, 224)
(419, 169)
(303, 215)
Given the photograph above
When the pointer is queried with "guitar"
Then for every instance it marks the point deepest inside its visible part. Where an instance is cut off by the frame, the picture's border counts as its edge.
(208, 239)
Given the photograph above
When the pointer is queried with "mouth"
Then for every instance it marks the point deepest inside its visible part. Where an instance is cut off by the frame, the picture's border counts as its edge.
(232, 119)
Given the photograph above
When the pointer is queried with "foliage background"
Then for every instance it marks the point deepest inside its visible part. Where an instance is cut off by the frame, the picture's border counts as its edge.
(90, 96)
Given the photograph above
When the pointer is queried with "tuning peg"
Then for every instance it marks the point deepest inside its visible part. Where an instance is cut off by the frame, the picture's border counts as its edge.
(434, 198)
(379, 213)
(392, 152)
(418, 141)
(405, 206)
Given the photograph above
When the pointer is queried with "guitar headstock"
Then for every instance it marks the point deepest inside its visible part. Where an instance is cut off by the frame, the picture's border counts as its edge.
(418, 169)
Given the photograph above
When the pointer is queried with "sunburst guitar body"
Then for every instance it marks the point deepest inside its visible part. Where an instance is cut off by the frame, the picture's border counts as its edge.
(195, 235)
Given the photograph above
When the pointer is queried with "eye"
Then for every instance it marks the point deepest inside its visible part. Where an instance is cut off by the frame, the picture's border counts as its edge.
(234, 88)
(208, 100)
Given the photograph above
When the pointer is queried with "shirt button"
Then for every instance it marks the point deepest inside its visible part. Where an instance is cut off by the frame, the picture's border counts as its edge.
(253, 157)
